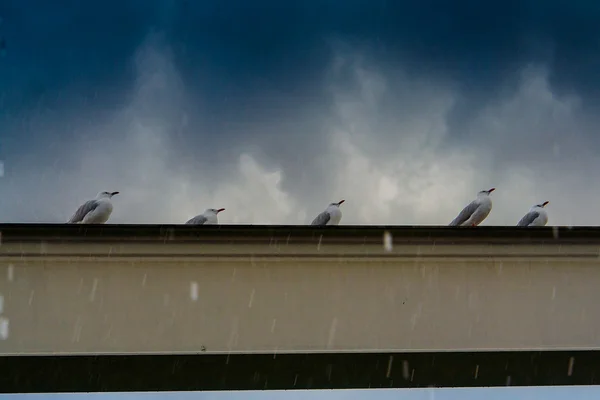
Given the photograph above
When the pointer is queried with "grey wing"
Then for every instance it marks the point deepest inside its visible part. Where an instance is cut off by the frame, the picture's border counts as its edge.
(528, 218)
(197, 220)
(465, 214)
(82, 211)
(321, 219)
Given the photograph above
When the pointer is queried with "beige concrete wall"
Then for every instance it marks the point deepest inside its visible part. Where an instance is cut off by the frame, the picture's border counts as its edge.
(491, 297)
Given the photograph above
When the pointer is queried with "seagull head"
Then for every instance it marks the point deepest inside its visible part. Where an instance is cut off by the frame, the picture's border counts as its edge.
(214, 210)
(337, 204)
(106, 195)
(486, 192)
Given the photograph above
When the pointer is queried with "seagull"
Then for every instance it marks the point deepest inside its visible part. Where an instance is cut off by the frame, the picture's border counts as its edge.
(331, 216)
(95, 211)
(537, 216)
(474, 213)
(208, 217)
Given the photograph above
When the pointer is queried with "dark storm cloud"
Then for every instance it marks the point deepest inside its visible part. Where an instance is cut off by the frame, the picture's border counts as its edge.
(268, 92)
(241, 42)
(269, 57)
(469, 39)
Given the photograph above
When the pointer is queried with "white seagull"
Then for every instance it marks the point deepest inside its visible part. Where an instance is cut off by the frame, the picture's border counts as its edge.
(95, 211)
(477, 210)
(331, 216)
(537, 216)
(208, 217)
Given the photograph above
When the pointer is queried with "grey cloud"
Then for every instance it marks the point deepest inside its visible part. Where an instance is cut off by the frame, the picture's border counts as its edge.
(381, 138)
(132, 151)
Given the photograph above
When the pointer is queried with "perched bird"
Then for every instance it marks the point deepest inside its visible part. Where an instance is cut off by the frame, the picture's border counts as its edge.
(331, 216)
(474, 213)
(537, 216)
(95, 211)
(208, 217)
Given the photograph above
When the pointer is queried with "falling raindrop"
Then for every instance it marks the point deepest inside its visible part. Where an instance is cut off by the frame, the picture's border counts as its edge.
(94, 288)
(571, 364)
(76, 330)
(387, 241)
(319, 244)
(332, 330)
(10, 272)
(413, 321)
(405, 370)
(3, 328)
(508, 380)
(31, 297)
(273, 325)
(476, 371)
(144, 279)
(389, 368)
(108, 333)
(251, 298)
(194, 291)
(555, 232)
(472, 300)
(233, 336)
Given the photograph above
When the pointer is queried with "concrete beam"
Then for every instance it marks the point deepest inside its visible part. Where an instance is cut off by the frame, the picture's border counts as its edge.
(175, 289)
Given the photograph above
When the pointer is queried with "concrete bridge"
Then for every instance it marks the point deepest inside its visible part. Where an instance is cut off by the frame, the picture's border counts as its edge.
(489, 302)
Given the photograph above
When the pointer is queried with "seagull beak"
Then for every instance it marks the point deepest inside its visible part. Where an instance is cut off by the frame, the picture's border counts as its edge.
(491, 190)
(113, 193)
(220, 209)
(340, 202)
(545, 203)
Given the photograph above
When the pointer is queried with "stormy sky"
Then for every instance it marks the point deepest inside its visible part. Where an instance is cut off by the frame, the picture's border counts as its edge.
(274, 109)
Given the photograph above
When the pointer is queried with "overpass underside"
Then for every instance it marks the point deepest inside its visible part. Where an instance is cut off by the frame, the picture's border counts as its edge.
(258, 307)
